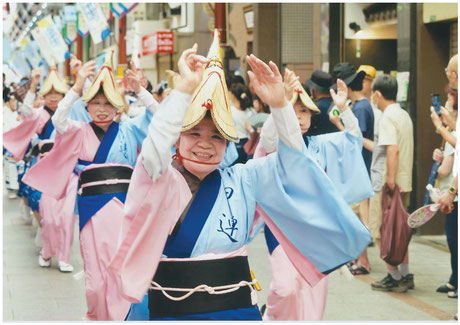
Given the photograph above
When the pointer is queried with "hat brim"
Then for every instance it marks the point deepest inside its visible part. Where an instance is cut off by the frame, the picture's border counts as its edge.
(350, 79)
(310, 84)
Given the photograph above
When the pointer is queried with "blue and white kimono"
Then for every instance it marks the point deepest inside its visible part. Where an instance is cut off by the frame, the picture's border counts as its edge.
(320, 229)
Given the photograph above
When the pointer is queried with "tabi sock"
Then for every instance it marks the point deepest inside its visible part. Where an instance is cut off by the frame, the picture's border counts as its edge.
(395, 274)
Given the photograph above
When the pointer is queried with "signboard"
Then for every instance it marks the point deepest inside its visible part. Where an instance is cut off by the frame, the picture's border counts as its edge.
(158, 42)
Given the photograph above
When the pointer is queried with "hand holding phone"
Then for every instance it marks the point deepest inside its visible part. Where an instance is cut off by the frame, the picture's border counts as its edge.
(436, 102)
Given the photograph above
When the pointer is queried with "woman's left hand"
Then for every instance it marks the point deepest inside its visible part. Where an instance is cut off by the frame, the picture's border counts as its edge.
(290, 80)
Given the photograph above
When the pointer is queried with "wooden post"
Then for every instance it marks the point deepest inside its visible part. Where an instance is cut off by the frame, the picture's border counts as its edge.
(220, 22)
(122, 42)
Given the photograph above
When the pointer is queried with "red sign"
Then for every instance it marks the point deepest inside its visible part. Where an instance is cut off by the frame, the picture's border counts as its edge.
(158, 42)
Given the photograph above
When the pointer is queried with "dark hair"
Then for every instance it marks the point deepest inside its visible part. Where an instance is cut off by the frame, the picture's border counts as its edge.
(387, 85)
(232, 79)
(242, 94)
(149, 86)
(357, 84)
(265, 107)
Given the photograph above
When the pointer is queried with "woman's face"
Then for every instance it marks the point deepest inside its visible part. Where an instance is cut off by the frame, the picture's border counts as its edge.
(52, 99)
(303, 115)
(257, 106)
(101, 111)
(203, 143)
(39, 101)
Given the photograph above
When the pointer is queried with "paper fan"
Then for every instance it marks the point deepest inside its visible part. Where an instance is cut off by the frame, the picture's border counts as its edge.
(422, 215)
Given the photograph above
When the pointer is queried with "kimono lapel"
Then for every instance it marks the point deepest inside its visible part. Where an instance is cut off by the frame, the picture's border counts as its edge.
(106, 143)
(48, 128)
(181, 245)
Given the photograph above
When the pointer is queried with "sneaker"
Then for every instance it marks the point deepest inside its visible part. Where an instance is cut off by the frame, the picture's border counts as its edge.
(408, 280)
(65, 267)
(12, 195)
(389, 284)
(42, 262)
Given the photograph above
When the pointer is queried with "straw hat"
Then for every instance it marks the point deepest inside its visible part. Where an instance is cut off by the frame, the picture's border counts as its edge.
(106, 79)
(54, 81)
(212, 95)
(172, 78)
(299, 92)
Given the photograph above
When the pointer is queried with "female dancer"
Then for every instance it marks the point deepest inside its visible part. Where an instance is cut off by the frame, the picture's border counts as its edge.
(339, 154)
(187, 223)
(104, 153)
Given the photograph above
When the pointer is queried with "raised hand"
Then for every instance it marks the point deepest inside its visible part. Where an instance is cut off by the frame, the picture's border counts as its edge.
(190, 68)
(290, 80)
(35, 79)
(435, 118)
(340, 98)
(267, 82)
(446, 118)
(134, 77)
(87, 70)
(75, 64)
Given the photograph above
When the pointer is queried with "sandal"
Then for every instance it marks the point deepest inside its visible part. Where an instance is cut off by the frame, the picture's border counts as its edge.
(452, 294)
(351, 263)
(358, 270)
(445, 288)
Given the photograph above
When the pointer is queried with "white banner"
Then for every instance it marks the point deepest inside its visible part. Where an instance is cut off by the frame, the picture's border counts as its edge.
(51, 41)
(31, 53)
(95, 20)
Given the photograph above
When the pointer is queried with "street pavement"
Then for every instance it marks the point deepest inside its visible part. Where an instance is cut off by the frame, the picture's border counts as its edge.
(32, 293)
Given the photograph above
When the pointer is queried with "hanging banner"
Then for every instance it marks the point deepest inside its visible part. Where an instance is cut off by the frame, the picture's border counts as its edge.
(71, 33)
(95, 20)
(122, 8)
(158, 42)
(31, 53)
(45, 50)
(82, 28)
(52, 39)
(70, 14)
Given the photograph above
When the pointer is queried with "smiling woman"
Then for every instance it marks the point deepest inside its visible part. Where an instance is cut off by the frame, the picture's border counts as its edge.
(101, 156)
(187, 223)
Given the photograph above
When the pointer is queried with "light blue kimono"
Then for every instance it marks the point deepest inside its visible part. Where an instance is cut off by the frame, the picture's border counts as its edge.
(298, 197)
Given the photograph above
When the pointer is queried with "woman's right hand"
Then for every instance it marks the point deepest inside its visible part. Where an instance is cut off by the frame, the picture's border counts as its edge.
(438, 155)
(87, 70)
(190, 68)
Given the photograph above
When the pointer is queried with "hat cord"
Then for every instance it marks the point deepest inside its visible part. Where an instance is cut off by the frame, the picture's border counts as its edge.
(181, 158)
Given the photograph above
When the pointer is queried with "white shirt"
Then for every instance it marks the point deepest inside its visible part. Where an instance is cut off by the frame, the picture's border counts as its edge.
(240, 117)
(9, 119)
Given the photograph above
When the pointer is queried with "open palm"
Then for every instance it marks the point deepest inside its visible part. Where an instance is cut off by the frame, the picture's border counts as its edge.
(340, 98)
(267, 82)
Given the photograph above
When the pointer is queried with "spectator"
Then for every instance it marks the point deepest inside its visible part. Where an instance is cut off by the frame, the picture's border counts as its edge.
(396, 135)
(362, 109)
(448, 200)
(368, 79)
(319, 84)
(241, 110)
(378, 153)
(446, 175)
(6, 90)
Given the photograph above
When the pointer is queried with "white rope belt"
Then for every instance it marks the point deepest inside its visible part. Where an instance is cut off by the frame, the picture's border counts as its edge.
(219, 290)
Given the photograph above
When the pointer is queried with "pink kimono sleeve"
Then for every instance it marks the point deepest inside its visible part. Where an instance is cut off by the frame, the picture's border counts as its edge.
(17, 139)
(51, 174)
(151, 210)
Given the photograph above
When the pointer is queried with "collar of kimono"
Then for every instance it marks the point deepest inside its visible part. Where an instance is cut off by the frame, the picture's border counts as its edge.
(181, 158)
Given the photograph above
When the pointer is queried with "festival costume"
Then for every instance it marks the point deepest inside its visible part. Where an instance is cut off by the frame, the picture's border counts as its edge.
(182, 233)
(10, 168)
(339, 155)
(104, 162)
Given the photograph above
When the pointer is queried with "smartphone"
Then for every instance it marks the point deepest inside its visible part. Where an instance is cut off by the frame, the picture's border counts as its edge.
(436, 101)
